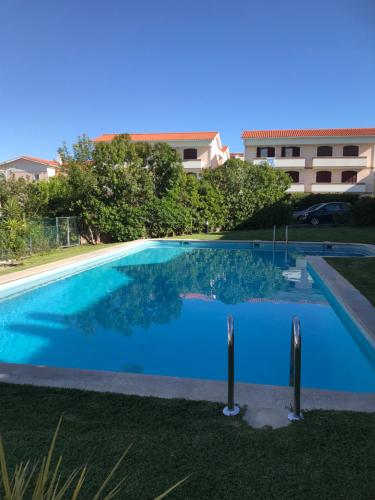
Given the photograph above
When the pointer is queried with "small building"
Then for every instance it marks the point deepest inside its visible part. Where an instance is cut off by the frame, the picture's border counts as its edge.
(28, 168)
(198, 150)
(318, 160)
(238, 156)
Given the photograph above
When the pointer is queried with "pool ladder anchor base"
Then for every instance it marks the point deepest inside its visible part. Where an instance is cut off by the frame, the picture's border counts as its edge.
(231, 412)
(293, 417)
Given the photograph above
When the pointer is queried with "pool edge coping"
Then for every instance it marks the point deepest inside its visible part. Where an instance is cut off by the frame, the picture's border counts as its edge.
(15, 276)
(355, 303)
(256, 396)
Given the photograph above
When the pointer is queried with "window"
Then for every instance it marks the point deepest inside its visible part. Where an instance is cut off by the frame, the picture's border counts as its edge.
(290, 151)
(294, 176)
(324, 151)
(349, 177)
(190, 154)
(265, 152)
(333, 207)
(350, 151)
(323, 176)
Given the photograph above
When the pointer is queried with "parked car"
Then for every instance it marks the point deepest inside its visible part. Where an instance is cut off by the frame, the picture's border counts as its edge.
(325, 213)
(297, 214)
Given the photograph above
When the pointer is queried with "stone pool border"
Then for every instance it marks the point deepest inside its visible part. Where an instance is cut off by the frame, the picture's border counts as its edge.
(358, 307)
(253, 395)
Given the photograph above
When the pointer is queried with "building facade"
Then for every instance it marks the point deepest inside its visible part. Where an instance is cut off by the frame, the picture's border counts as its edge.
(198, 150)
(317, 160)
(28, 168)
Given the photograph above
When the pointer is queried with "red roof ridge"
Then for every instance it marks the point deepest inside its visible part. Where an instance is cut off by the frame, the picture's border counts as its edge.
(50, 163)
(322, 132)
(149, 136)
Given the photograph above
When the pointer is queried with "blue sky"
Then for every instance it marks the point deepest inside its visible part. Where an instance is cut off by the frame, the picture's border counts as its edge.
(88, 66)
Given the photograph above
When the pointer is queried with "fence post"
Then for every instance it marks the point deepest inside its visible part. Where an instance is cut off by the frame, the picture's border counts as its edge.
(231, 409)
(57, 232)
(68, 232)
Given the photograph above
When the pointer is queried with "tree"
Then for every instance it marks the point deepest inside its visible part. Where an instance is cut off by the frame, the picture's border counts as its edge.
(82, 151)
(13, 230)
(165, 166)
(247, 189)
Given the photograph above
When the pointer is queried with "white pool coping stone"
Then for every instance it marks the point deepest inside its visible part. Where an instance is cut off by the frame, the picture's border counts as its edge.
(251, 395)
(359, 308)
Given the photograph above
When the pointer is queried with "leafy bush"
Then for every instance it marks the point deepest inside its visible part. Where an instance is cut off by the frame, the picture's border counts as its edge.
(248, 192)
(300, 201)
(363, 213)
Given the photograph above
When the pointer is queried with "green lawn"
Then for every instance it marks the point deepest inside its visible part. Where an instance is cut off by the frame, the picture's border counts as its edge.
(360, 272)
(302, 233)
(54, 255)
(327, 456)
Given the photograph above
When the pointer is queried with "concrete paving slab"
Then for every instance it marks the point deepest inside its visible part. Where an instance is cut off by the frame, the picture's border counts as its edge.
(254, 396)
(263, 418)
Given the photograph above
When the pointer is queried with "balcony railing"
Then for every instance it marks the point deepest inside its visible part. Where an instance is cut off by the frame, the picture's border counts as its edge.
(340, 162)
(192, 164)
(281, 162)
(338, 188)
(296, 188)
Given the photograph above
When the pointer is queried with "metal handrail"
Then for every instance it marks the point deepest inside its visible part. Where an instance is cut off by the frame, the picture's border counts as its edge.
(231, 409)
(295, 369)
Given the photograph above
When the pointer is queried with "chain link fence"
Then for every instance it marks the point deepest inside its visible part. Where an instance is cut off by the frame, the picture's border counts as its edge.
(42, 235)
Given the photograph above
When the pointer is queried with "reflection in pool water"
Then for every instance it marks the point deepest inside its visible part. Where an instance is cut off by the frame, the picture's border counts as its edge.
(163, 311)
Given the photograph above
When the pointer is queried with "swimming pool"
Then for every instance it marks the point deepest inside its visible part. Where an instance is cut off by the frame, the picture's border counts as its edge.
(161, 309)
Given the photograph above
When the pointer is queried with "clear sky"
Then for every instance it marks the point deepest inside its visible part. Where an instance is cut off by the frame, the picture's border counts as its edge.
(87, 66)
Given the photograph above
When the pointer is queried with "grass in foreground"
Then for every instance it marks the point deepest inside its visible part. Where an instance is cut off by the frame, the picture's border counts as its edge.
(46, 258)
(297, 233)
(329, 455)
(359, 271)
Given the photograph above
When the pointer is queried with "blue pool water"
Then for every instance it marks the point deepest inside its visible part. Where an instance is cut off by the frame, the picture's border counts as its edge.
(163, 310)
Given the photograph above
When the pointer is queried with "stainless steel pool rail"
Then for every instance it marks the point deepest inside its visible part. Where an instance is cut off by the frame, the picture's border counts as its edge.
(231, 409)
(295, 369)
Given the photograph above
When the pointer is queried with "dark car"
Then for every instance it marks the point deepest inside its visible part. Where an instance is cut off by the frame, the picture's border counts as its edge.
(325, 213)
(298, 214)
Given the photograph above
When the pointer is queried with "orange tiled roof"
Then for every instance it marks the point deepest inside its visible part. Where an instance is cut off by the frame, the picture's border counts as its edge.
(169, 136)
(224, 148)
(49, 163)
(326, 132)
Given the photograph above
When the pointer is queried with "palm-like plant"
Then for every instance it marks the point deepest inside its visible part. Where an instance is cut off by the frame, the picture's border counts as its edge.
(43, 480)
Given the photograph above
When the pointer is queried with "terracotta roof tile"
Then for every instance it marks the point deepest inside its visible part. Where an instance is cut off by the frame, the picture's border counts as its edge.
(49, 163)
(327, 132)
(169, 136)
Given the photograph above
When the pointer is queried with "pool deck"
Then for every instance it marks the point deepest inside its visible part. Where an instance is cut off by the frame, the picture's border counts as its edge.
(256, 397)
(58, 264)
(361, 309)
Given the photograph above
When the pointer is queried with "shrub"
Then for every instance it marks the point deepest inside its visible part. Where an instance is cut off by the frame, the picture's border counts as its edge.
(364, 211)
(43, 480)
(247, 190)
(300, 201)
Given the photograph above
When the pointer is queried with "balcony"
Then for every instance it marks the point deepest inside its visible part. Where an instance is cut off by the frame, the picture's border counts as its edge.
(192, 165)
(338, 188)
(296, 188)
(340, 162)
(281, 162)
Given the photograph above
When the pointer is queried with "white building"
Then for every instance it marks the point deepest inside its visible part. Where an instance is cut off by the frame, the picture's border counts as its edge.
(198, 150)
(28, 168)
(318, 160)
